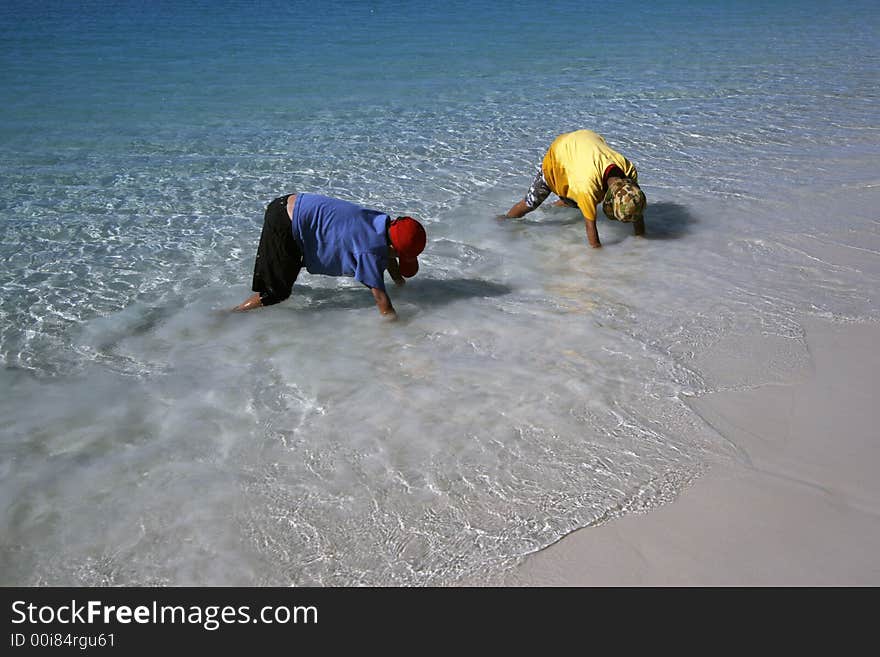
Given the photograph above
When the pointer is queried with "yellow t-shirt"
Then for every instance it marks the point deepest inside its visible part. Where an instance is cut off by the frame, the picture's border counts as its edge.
(575, 165)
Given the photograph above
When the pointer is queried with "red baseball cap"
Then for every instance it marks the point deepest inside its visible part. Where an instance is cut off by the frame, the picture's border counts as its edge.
(408, 238)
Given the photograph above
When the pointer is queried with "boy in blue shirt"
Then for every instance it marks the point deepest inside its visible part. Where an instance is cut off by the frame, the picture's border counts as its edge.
(335, 238)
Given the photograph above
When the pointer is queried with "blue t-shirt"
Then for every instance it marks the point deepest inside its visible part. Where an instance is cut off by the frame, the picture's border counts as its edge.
(338, 238)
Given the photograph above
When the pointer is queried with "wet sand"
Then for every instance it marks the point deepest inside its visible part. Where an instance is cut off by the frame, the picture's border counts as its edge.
(800, 506)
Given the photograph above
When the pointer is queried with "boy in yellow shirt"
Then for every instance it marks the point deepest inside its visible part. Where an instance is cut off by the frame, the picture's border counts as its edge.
(582, 169)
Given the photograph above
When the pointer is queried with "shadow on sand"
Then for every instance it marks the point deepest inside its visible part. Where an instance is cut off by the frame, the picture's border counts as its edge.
(420, 291)
(668, 221)
(664, 221)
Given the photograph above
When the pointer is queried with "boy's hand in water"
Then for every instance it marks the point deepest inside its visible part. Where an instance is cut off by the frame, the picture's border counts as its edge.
(383, 303)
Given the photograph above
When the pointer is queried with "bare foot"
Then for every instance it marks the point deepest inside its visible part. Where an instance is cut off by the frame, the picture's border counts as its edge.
(250, 303)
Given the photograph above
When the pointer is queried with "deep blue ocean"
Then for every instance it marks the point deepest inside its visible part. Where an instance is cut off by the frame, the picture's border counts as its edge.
(532, 385)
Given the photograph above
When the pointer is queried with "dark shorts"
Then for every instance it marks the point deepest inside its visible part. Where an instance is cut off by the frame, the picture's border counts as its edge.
(278, 256)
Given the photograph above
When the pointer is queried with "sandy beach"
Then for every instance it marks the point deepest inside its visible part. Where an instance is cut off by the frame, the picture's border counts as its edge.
(799, 507)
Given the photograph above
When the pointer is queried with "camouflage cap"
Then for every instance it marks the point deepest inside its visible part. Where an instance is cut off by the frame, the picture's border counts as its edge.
(624, 201)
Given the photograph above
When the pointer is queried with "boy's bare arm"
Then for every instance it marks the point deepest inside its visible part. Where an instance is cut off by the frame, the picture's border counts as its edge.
(593, 234)
(394, 270)
(253, 301)
(639, 227)
(383, 303)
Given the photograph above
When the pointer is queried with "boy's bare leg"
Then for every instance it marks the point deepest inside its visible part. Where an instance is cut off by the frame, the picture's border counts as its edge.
(251, 302)
(518, 210)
